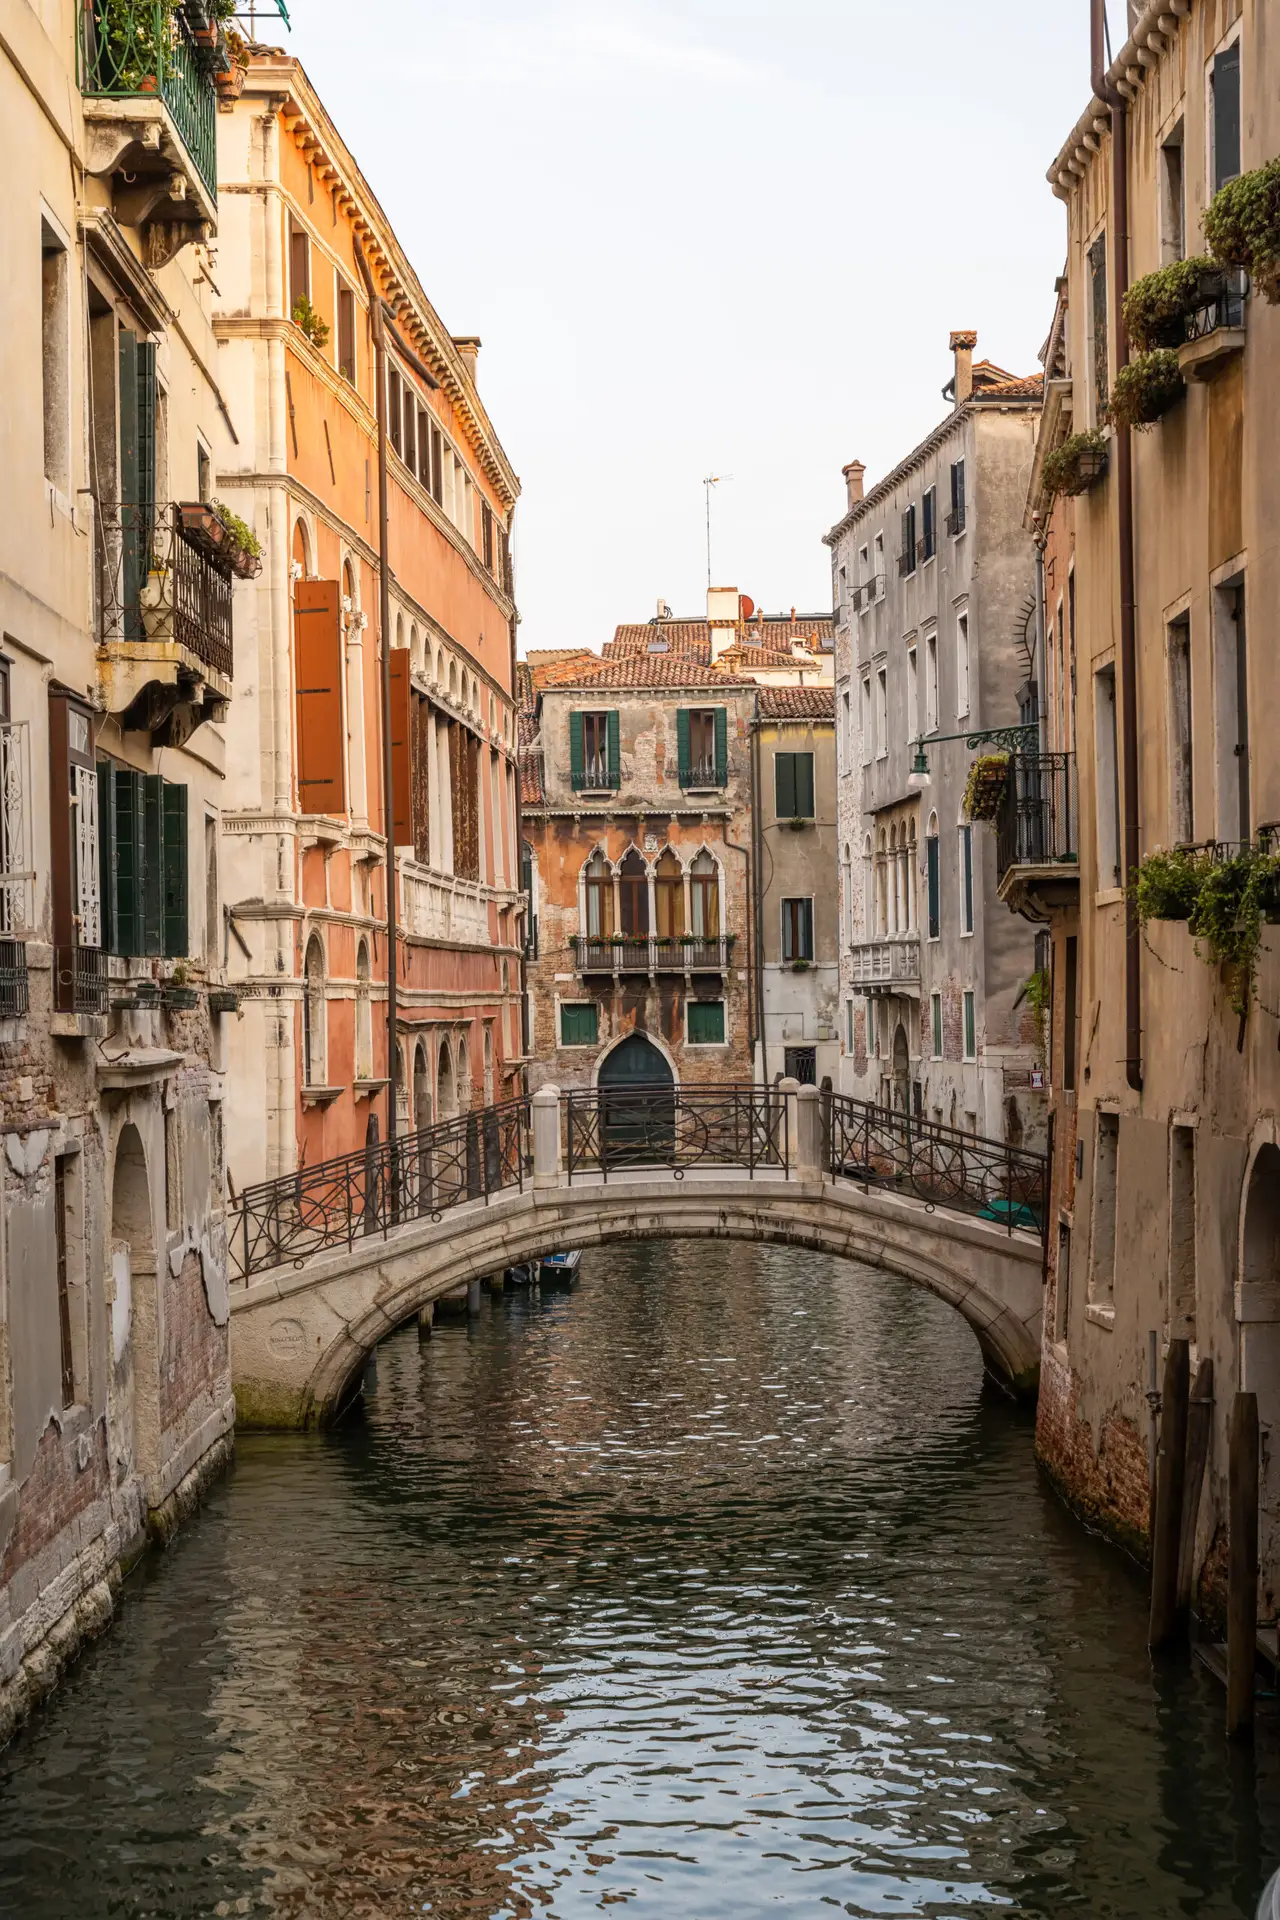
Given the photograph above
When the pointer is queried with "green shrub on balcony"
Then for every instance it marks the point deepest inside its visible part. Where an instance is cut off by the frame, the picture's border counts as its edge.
(135, 44)
(308, 321)
(1074, 466)
(1157, 306)
(1224, 903)
(1146, 389)
(1166, 885)
(1242, 226)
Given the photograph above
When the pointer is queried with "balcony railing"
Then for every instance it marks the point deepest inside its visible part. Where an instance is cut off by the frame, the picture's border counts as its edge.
(704, 773)
(1224, 309)
(597, 776)
(886, 966)
(157, 581)
(142, 49)
(80, 982)
(436, 908)
(1038, 820)
(640, 953)
(13, 979)
(868, 593)
(955, 522)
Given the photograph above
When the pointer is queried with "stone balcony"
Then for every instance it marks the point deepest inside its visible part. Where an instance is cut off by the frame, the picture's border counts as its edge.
(649, 954)
(888, 966)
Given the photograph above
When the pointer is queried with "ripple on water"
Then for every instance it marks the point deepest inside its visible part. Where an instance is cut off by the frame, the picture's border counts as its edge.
(714, 1589)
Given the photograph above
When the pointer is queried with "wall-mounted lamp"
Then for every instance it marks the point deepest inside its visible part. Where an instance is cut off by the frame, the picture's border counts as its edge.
(918, 778)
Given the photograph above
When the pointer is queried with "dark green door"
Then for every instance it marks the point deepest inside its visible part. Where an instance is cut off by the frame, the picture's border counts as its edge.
(637, 1105)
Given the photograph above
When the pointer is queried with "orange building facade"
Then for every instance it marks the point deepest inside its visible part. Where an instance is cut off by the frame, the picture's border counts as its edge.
(304, 858)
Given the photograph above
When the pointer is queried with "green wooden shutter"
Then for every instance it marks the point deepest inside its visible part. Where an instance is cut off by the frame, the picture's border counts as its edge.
(615, 756)
(682, 745)
(153, 864)
(147, 430)
(804, 785)
(784, 785)
(722, 745)
(107, 858)
(175, 870)
(577, 753)
(130, 861)
(133, 560)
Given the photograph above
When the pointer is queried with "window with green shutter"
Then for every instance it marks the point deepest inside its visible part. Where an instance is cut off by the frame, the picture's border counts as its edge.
(579, 1023)
(174, 870)
(706, 1023)
(143, 824)
(793, 786)
(970, 1026)
(594, 756)
(721, 718)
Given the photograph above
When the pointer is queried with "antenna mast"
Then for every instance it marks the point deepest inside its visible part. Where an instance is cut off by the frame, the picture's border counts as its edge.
(712, 480)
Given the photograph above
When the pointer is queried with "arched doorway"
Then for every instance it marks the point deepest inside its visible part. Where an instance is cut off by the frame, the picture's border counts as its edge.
(901, 1069)
(446, 1099)
(135, 1330)
(1260, 1355)
(637, 1101)
(422, 1115)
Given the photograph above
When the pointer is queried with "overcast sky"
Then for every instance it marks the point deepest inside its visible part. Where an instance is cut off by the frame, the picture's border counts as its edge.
(724, 236)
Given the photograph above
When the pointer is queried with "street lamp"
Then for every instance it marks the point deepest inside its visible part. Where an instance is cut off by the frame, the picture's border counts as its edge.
(918, 778)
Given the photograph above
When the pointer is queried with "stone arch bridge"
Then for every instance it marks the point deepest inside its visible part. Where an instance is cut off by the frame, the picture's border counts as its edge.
(327, 1262)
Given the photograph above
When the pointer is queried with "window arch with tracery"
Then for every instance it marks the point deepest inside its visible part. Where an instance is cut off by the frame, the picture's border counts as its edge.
(633, 893)
(704, 893)
(364, 1015)
(668, 889)
(313, 1014)
(599, 898)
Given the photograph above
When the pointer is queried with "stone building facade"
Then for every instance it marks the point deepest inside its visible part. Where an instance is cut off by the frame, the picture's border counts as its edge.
(118, 601)
(305, 827)
(1172, 1227)
(934, 577)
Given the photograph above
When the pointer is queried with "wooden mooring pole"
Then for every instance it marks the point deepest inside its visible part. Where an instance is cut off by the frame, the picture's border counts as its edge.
(1170, 1479)
(1242, 1566)
(1199, 1429)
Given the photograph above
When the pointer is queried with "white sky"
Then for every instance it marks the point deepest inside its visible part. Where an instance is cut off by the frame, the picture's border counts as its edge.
(725, 236)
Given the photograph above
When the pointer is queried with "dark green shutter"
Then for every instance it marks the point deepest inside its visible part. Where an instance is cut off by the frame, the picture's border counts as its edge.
(722, 745)
(804, 785)
(682, 745)
(615, 756)
(147, 429)
(784, 780)
(153, 867)
(805, 931)
(577, 755)
(175, 871)
(133, 559)
(1226, 116)
(107, 882)
(130, 861)
(935, 886)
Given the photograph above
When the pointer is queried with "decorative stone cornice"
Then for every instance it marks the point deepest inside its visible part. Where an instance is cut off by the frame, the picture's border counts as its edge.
(1155, 34)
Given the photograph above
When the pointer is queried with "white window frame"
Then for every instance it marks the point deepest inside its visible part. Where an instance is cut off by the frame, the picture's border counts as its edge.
(964, 660)
(932, 685)
(913, 693)
(969, 903)
(882, 710)
(968, 1009)
(868, 740)
(576, 1046)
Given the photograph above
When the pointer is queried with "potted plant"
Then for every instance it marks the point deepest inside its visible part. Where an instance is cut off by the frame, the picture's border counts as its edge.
(800, 966)
(135, 45)
(1242, 227)
(1166, 885)
(224, 1000)
(145, 992)
(1156, 308)
(985, 788)
(230, 80)
(308, 321)
(1077, 464)
(245, 548)
(799, 823)
(176, 994)
(1146, 389)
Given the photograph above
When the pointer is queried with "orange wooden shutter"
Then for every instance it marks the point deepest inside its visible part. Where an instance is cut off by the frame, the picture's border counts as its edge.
(317, 626)
(401, 746)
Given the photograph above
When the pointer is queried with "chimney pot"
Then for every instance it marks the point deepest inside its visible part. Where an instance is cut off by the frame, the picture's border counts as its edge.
(468, 345)
(854, 475)
(963, 343)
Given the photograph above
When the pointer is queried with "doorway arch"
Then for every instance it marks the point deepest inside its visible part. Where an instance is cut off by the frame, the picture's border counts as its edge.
(135, 1328)
(901, 1069)
(422, 1115)
(638, 1100)
(446, 1105)
(635, 1061)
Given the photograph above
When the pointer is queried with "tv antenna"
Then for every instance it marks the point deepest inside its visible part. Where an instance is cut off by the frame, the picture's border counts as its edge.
(712, 480)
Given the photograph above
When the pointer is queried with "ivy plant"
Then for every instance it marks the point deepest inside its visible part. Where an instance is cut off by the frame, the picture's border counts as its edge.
(1074, 466)
(1224, 903)
(1146, 389)
(1037, 991)
(1156, 307)
(1166, 885)
(1242, 227)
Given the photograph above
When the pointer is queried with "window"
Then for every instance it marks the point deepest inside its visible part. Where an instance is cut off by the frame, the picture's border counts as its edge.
(935, 1021)
(395, 411)
(970, 1024)
(1062, 1316)
(633, 894)
(966, 879)
(424, 448)
(437, 466)
(846, 732)
(1182, 1233)
(61, 1236)
(1224, 104)
(668, 893)
(873, 1028)
(848, 1026)
(579, 1023)
(593, 750)
(801, 1064)
(486, 534)
(907, 556)
(704, 896)
(1098, 322)
(55, 339)
(212, 913)
(313, 1014)
(204, 472)
(144, 862)
(1108, 777)
(797, 930)
(882, 713)
(74, 842)
(1106, 1153)
(956, 519)
(1071, 660)
(410, 427)
(1231, 711)
(933, 876)
(1181, 781)
(299, 265)
(931, 682)
(346, 332)
(1173, 198)
(962, 662)
(913, 694)
(706, 1023)
(364, 1015)
(599, 890)
(1070, 1012)
(868, 744)
(702, 739)
(793, 786)
(929, 519)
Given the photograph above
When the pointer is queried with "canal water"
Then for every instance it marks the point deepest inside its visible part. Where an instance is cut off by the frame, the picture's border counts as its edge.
(715, 1588)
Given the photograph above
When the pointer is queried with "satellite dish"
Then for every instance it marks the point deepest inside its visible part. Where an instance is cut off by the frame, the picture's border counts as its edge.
(747, 606)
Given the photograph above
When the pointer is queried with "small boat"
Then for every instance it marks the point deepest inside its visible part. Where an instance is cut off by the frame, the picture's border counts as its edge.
(522, 1275)
(562, 1267)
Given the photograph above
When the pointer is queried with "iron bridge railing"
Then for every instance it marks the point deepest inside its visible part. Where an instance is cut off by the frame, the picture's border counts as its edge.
(608, 1129)
(964, 1172)
(357, 1195)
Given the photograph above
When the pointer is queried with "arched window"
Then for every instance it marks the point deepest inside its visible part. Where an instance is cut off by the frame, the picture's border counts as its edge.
(868, 888)
(313, 1014)
(933, 877)
(913, 853)
(421, 1088)
(633, 890)
(893, 883)
(464, 1077)
(488, 1066)
(882, 883)
(846, 916)
(364, 1015)
(669, 896)
(599, 898)
(301, 554)
(704, 895)
(446, 1091)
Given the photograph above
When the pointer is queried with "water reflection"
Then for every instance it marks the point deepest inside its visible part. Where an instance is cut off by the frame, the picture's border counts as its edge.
(715, 1588)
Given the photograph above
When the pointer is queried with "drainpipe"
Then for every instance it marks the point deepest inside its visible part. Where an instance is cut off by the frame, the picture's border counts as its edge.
(384, 620)
(1104, 89)
(1042, 689)
(757, 890)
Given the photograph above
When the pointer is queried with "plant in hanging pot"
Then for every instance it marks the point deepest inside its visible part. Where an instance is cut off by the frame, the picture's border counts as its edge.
(245, 548)
(986, 785)
(1242, 227)
(1145, 390)
(1077, 464)
(229, 80)
(1156, 308)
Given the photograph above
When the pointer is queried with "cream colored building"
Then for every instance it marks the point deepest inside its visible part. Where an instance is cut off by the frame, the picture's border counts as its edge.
(116, 611)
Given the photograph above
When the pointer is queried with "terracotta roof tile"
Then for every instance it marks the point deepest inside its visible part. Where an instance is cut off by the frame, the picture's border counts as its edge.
(694, 636)
(797, 703)
(532, 793)
(656, 670)
(1012, 389)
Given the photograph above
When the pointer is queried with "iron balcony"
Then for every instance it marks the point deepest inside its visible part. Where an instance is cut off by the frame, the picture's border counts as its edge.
(1037, 834)
(641, 953)
(164, 599)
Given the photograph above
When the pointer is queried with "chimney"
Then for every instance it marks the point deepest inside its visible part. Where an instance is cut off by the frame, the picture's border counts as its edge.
(962, 345)
(853, 478)
(468, 345)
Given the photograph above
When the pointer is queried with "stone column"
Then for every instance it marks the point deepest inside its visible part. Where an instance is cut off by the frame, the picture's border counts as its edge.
(786, 1093)
(807, 1135)
(546, 1137)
